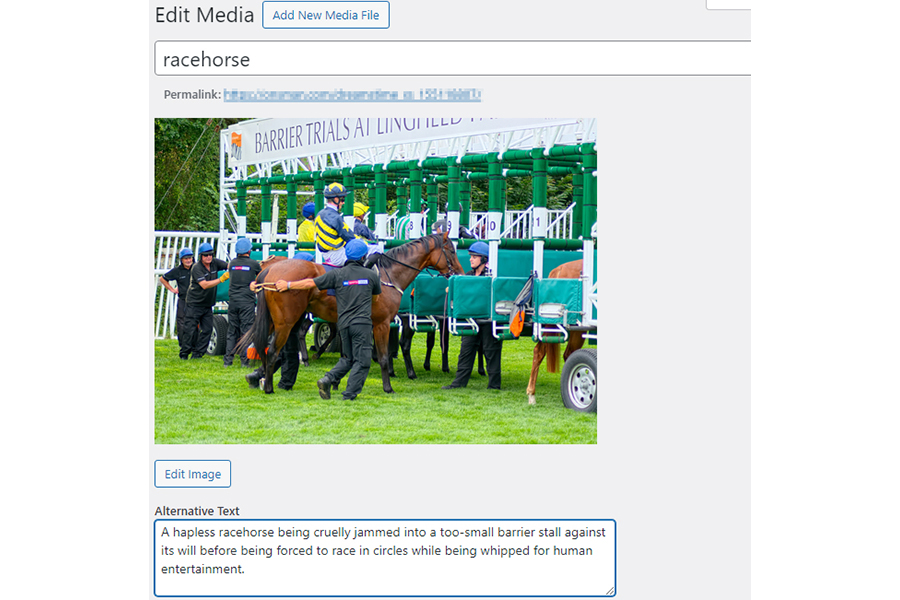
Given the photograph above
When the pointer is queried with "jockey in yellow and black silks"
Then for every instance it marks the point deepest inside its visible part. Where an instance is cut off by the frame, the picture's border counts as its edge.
(332, 233)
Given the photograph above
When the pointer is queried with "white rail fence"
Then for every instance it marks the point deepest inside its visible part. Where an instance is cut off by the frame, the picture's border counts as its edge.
(166, 247)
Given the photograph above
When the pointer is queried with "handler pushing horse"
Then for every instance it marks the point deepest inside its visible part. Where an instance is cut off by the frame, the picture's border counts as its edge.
(354, 287)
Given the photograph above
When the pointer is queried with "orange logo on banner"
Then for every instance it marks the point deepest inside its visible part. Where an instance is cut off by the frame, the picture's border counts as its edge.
(235, 139)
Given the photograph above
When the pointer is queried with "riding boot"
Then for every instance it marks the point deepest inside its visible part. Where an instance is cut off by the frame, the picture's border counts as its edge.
(253, 379)
(324, 386)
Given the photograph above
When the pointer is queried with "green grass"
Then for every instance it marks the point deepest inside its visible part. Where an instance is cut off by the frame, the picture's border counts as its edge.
(201, 402)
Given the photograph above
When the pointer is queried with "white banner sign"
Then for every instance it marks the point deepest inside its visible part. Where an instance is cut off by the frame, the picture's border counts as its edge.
(279, 139)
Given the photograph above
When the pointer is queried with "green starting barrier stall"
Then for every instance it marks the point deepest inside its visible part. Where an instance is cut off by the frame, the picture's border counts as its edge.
(428, 300)
(519, 263)
(467, 299)
(472, 302)
(504, 291)
(470, 299)
(557, 305)
(222, 290)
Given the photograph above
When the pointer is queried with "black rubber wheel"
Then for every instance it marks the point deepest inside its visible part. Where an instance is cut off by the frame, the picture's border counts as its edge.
(578, 383)
(219, 336)
(321, 333)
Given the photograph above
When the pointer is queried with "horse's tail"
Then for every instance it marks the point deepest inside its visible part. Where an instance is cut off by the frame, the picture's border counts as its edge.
(552, 357)
(258, 334)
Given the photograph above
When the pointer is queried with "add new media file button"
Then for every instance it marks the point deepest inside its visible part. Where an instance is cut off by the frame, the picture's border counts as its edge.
(192, 473)
(326, 15)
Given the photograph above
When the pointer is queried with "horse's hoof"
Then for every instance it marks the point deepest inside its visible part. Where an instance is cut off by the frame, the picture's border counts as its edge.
(305, 363)
(411, 375)
(482, 373)
(426, 367)
(531, 401)
(447, 370)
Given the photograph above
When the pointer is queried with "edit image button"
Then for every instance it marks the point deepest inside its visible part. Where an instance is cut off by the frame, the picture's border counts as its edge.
(192, 473)
(326, 15)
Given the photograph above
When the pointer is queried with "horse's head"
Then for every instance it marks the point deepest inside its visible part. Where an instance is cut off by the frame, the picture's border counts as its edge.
(443, 256)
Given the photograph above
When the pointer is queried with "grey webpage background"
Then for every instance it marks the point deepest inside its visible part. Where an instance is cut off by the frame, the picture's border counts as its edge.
(672, 462)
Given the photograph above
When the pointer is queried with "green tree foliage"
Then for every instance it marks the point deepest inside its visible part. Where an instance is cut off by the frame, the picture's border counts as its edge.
(519, 193)
(186, 173)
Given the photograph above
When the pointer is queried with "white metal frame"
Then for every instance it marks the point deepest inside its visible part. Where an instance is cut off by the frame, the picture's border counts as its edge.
(582, 131)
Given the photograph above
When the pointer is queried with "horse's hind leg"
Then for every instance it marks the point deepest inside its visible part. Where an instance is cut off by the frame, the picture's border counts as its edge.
(445, 349)
(259, 375)
(381, 348)
(394, 342)
(540, 350)
(391, 351)
(272, 356)
(576, 341)
(269, 368)
(304, 329)
(406, 345)
(429, 345)
(390, 358)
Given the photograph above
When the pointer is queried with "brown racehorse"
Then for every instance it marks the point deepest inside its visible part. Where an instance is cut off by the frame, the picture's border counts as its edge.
(305, 324)
(278, 312)
(569, 270)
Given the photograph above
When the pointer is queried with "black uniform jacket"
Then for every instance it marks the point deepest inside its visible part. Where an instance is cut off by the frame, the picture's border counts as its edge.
(243, 270)
(182, 277)
(353, 285)
(197, 295)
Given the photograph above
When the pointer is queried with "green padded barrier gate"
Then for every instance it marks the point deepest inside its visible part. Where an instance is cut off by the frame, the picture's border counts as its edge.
(222, 289)
(505, 289)
(430, 296)
(470, 297)
(519, 263)
(406, 303)
(559, 291)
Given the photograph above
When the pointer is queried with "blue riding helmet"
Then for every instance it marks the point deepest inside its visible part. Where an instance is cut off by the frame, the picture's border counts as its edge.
(355, 249)
(243, 246)
(479, 248)
(185, 252)
(335, 190)
(205, 247)
(309, 210)
(308, 256)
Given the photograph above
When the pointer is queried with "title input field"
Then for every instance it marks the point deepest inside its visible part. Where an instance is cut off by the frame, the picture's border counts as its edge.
(382, 58)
